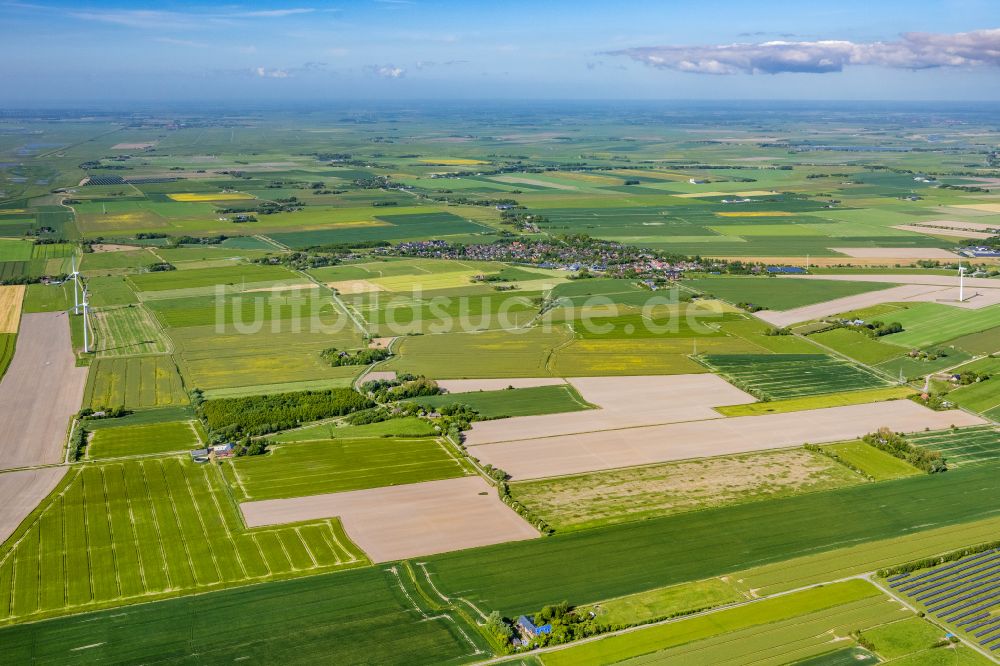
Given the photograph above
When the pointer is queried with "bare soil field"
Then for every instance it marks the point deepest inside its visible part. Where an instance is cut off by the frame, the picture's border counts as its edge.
(133, 146)
(625, 402)
(956, 224)
(934, 280)
(354, 286)
(845, 304)
(21, 492)
(896, 252)
(470, 385)
(380, 343)
(379, 375)
(11, 298)
(610, 449)
(406, 521)
(114, 247)
(979, 293)
(944, 231)
(40, 392)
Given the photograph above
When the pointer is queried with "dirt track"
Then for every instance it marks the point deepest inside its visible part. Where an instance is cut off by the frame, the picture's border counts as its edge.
(40, 392)
(406, 521)
(573, 454)
(624, 402)
(896, 252)
(20, 493)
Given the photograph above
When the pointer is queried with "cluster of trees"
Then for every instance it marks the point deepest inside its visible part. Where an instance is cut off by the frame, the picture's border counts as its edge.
(298, 260)
(78, 442)
(963, 188)
(928, 354)
(286, 205)
(916, 565)
(873, 329)
(970, 377)
(234, 418)
(776, 330)
(337, 357)
(251, 447)
(503, 491)
(749, 307)
(161, 266)
(402, 387)
(896, 445)
(104, 412)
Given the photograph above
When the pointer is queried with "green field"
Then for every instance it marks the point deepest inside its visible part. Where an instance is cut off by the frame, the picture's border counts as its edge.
(857, 345)
(845, 604)
(783, 376)
(48, 297)
(15, 250)
(570, 503)
(664, 602)
(779, 293)
(134, 382)
(513, 402)
(125, 532)
(330, 466)
(877, 464)
(408, 426)
(472, 355)
(725, 539)
(209, 277)
(982, 397)
(127, 331)
(926, 324)
(904, 637)
(8, 342)
(962, 446)
(360, 616)
(816, 402)
(144, 439)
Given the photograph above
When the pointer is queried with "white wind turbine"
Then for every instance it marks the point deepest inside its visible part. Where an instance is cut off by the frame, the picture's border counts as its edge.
(961, 283)
(75, 277)
(86, 337)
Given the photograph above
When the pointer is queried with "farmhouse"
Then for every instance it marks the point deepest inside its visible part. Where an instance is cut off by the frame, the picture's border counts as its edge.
(529, 629)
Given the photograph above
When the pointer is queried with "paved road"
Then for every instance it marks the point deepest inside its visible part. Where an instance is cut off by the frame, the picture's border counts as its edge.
(40, 393)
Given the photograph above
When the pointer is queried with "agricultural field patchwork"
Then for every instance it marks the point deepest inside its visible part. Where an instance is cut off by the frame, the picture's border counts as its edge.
(876, 464)
(134, 382)
(783, 376)
(127, 331)
(116, 442)
(962, 446)
(133, 531)
(604, 498)
(325, 466)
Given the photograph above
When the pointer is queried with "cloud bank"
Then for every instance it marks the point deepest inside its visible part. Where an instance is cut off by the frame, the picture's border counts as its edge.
(914, 50)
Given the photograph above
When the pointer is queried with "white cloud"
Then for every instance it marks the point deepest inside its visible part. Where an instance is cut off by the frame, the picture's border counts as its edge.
(264, 73)
(914, 50)
(387, 71)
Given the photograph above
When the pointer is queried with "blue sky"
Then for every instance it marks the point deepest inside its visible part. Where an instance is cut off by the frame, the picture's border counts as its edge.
(419, 49)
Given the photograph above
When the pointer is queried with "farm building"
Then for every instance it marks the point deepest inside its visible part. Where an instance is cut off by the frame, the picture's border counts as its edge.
(528, 627)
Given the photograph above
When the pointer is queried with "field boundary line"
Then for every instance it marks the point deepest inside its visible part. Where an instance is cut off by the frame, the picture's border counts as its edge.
(225, 524)
(201, 521)
(177, 523)
(156, 524)
(111, 531)
(135, 535)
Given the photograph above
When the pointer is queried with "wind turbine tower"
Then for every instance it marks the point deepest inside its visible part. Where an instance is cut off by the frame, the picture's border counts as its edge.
(75, 277)
(961, 283)
(86, 336)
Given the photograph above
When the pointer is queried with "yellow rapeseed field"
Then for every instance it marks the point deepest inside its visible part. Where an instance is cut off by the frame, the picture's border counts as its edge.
(756, 213)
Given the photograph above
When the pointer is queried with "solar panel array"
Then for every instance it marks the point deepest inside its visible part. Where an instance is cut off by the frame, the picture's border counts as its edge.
(964, 594)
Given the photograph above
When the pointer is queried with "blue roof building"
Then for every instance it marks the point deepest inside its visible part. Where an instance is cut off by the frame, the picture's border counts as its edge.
(529, 627)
